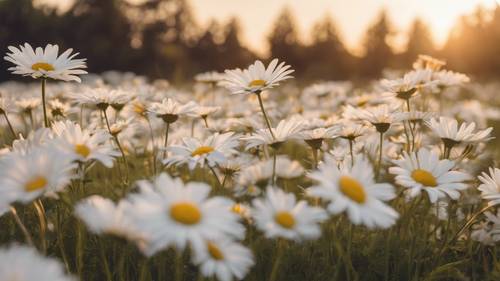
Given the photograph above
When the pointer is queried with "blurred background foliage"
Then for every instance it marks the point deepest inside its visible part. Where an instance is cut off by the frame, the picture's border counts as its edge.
(161, 39)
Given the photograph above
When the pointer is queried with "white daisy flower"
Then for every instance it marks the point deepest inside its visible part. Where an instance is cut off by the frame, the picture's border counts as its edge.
(170, 110)
(84, 145)
(224, 259)
(41, 171)
(450, 78)
(171, 213)
(286, 130)
(422, 170)
(45, 62)
(211, 77)
(280, 215)
(490, 186)
(212, 150)
(256, 78)
(354, 190)
(428, 62)
(102, 215)
(447, 129)
(21, 263)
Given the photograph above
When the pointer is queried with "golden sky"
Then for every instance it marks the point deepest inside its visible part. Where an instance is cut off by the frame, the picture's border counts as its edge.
(351, 16)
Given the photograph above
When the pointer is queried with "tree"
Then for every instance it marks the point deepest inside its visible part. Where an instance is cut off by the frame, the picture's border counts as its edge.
(326, 57)
(284, 41)
(378, 53)
(419, 42)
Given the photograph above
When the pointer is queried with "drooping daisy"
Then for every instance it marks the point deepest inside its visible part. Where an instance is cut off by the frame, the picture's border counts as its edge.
(280, 215)
(408, 86)
(85, 145)
(490, 186)
(286, 130)
(45, 62)
(171, 213)
(352, 188)
(43, 170)
(256, 78)
(102, 215)
(422, 170)
(447, 129)
(213, 150)
(224, 259)
(21, 263)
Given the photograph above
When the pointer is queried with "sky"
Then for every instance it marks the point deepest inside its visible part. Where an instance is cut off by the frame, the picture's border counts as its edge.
(352, 17)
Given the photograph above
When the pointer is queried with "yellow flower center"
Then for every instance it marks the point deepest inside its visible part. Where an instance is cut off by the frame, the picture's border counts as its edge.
(82, 149)
(185, 213)
(285, 219)
(42, 66)
(352, 189)
(202, 150)
(423, 177)
(214, 251)
(257, 83)
(139, 108)
(238, 209)
(35, 184)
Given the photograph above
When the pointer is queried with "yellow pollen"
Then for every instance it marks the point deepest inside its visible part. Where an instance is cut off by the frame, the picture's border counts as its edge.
(202, 150)
(42, 66)
(214, 251)
(257, 83)
(82, 149)
(352, 189)
(185, 213)
(238, 209)
(423, 177)
(285, 219)
(35, 184)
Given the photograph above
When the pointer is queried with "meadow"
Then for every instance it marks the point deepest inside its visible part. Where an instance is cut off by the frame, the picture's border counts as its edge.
(249, 174)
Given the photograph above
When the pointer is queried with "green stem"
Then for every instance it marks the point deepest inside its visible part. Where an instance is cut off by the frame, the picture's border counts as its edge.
(20, 224)
(153, 146)
(214, 173)
(268, 123)
(274, 168)
(351, 151)
(45, 120)
(179, 264)
(8, 123)
(277, 260)
(379, 163)
(166, 140)
(315, 157)
(43, 223)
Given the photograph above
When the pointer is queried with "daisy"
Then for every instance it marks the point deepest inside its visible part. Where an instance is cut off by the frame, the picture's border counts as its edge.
(450, 79)
(102, 215)
(490, 186)
(224, 259)
(42, 171)
(286, 130)
(211, 77)
(451, 135)
(45, 63)
(352, 188)
(428, 62)
(171, 213)
(280, 215)
(21, 263)
(85, 146)
(407, 87)
(59, 109)
(170, 110)
(315, 137)
(212, 151)
(422, 170)
(256, 78)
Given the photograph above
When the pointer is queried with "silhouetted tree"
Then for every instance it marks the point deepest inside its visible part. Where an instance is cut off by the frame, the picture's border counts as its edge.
(419, 42)
(326, 56)
(284, 42)
(378, 53)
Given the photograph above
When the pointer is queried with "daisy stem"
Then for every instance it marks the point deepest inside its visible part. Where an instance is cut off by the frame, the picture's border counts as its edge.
(40, 211)
(104, 261)
(206, 121)
(274, 168)
(179, 263)
(192, 127)
(350, 149)
(116, 140)
(166, 140)
(45, 120)
(153, 146)
(268, 123)
(8, 123)
(215, 174)
(23, 228)
(315, 157)
(277, 260)
(81, 115)
(379, 163)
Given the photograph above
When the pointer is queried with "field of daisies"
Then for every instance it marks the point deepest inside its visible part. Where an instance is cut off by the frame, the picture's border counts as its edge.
(246, 175)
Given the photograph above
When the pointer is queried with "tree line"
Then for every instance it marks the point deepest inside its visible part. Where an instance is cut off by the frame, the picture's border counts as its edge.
(161, 39)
